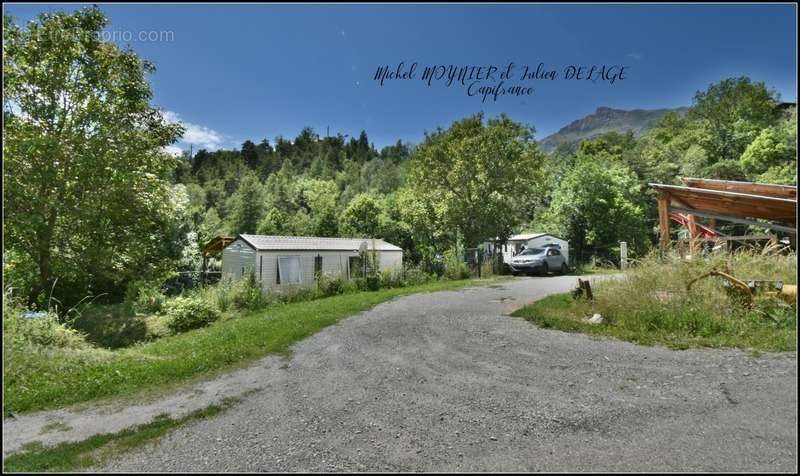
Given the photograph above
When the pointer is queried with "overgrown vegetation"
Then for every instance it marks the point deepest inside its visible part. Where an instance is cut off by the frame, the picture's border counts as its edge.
(96, 450)
(103, 228)
(38, 377)
(650, 305)
(21, 327)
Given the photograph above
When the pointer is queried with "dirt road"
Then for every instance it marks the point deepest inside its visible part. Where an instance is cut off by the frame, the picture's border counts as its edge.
(446, 381)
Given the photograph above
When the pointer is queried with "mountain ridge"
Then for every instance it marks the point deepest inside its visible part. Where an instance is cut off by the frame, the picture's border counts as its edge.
(606, 119)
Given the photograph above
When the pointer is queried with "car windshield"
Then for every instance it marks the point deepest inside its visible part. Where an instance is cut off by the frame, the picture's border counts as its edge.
(532, 251)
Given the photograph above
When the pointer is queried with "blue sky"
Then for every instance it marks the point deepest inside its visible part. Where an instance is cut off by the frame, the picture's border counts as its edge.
(236, 72)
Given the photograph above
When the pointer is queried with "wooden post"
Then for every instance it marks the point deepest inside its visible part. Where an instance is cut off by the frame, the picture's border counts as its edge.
(663, 220)
(586, 289)
(692, 226)
(203, 272)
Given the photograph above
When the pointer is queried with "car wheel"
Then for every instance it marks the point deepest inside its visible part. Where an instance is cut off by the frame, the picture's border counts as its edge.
(544, 270)
(564, 269)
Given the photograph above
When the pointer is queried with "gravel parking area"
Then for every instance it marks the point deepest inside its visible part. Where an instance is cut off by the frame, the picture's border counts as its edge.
(447, 381)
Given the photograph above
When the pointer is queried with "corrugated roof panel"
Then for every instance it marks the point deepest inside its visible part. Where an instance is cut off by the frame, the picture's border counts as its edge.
(311, 243)
(525, 236)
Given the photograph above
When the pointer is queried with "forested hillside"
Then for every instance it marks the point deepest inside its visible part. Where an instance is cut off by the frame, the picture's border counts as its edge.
(326, 186)
(94, 204)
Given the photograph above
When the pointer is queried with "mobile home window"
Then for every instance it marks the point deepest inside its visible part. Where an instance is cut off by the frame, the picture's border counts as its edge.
(288, 269)
(356, 267)
(317, 266)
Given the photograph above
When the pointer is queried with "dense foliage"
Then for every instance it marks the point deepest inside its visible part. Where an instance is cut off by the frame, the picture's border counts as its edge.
(86, 198)
(93, 205)
(186, 313)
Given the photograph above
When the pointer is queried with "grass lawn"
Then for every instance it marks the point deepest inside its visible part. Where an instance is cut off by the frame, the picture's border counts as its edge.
(96, 450)
(112, 326)
(651, 306)
(51, 378)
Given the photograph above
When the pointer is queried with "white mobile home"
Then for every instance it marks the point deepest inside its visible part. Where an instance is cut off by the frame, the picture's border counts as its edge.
(516, 243)
(295, 260)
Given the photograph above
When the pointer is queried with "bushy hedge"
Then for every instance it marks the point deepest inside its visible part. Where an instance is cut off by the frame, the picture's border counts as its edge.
(330, 284)
(186, 313)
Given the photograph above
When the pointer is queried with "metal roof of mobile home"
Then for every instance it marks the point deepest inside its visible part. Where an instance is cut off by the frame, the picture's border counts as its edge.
(314, 243)
(530, 236)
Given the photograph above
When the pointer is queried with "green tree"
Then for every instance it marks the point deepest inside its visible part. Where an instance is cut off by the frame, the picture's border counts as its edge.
(362, 218)
(275, 222)
(731, 114)
(418, 217)
(319, 198)
(595, 206)
(86, 195)
(246, 207)
(250, 154)
(772, 156)
(481, 179)
(210, 227)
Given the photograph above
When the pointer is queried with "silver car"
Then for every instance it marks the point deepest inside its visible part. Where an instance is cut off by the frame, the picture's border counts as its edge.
(540, 260)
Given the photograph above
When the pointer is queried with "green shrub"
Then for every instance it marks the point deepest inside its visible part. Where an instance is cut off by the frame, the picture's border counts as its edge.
(239, 294)
(415, 275)
(157, 326)
(220, 295)
(186, 313)
(330, 284)
(369, 283)
(289, 294)
(487, 269)
(41, 329)
(247, 293)
(454, 265)
(392, 278)
(405, 276)
(145, 297)
(19, 270)
(349, 286)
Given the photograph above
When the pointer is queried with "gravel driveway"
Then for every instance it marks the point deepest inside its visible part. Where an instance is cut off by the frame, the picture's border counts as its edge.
(446, 382)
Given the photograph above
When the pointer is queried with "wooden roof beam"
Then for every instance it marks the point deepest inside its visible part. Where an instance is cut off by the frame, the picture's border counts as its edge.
(763, 189)
(729, 218)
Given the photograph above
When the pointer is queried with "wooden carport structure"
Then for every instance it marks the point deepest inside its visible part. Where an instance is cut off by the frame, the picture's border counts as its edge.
(737, 202)
(213, 248)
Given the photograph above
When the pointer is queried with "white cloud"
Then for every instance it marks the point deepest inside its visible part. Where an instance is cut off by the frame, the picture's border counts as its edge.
(173, 150)
(194, 134)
